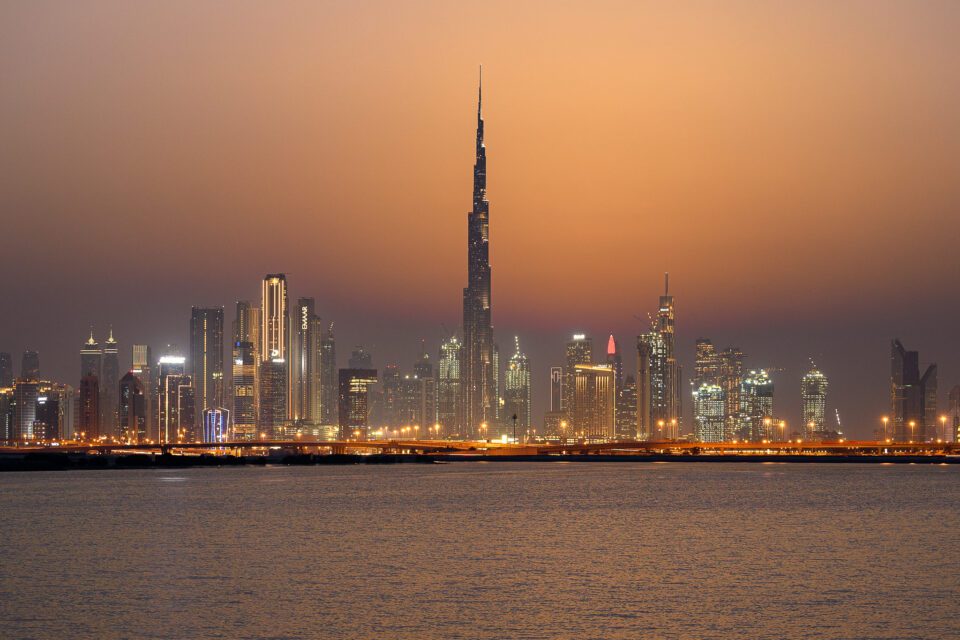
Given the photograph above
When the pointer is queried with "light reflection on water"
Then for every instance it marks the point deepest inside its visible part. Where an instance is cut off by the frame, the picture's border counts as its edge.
(499, 550)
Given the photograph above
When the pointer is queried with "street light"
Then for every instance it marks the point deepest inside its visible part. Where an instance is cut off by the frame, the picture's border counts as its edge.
(885, 420)
(943, 428)
(912, 425)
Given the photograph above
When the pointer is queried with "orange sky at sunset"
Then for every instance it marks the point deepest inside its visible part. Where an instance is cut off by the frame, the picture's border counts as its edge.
(793, 165)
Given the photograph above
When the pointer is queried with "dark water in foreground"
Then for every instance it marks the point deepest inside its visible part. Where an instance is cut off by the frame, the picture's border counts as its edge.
(483, 550)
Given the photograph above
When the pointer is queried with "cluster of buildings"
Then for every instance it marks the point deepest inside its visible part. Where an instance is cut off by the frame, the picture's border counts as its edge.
(280, 380)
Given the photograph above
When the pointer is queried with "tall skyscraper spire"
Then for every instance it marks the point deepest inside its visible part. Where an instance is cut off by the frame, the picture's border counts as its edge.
(479, 376)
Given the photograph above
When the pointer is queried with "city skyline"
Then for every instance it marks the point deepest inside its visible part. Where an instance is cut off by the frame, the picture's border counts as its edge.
(817, 285)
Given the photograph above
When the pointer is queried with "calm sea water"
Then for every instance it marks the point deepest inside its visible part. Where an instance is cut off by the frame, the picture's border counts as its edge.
(483, 550)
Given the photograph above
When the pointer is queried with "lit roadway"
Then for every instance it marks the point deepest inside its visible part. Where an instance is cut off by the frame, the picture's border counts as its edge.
(496, 448)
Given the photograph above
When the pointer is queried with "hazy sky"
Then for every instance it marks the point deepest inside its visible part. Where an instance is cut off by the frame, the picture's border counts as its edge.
(793, 165)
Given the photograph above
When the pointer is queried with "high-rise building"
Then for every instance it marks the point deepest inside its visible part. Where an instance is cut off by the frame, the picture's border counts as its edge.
(273, 397)
(708, 364)
(91, 358)
(651, 411)
(171, 375)
(66, 396)
(88, 408)
(627, 410)
(517, 403)
(329, 388)
(556, 389)
(206, 358)
(30, 365)
(132, 409)
(709, 417)
(579, 351)
(46, 422)
(6, 371)
(6, 414)
(305, 369)
(813, 394)
(594, 401)
(108, 386)
(244, 400)
(449, 388)
(216, 425)
(353, 402)
(953, 414)
(757, 421)
(25, 393)
(246, 322)
(913, 398)
(730, 380)
(479, 379)
(186, 411)
(141, 364)
(427, 391)
(360, 358)
(273, 323)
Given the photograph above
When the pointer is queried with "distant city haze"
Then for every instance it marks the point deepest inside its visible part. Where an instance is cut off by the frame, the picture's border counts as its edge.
(794, 166)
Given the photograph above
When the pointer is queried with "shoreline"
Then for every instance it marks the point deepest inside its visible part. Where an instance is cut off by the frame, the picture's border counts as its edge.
(57, 461)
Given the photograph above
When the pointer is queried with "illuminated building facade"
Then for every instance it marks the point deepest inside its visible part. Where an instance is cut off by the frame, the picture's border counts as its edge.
(216, 425)
(757, 421)
(206, 357)
(449, 388)
(730, 380)
(353, 401)
(91, 357)
(305, 366)
(273, 319)
(627, 410)
(132, 409)
(88, 409)
(328, 378)
(813, 395)
(171, 375)
(244, 389)
(594, 401)
(659, 374)
(709, 413)
(479, 373)
(579, 351)
(25, 394)
(517, 392)
(142, 367)
(109, 382)
(273, 397)
(913, 398)
(46, 422)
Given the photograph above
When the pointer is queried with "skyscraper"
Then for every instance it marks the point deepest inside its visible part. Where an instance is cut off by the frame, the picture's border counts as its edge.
(360, 358)
(25, 393)
(449, 388)
(88, 420)
(171, 374)
(627, 410)
(305, 366)
(141, 364)
(6, 371)
(709, 417)
(478, 366)
(244, 400)
(813, 394)
(579, 351)
(517, 392)
(108, 386)
(216, 425)
(273, 322)
(30, 365)
(132, 409)
(273, 397)
(594, 401)
(329, 385)
(707, 366)
(757, 421)
(91, 358)
(913, 398)
(206, 359)
(353, 401)
(731, 377)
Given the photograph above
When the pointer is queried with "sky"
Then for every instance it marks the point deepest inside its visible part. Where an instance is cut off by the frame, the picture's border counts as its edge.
(792, 165)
